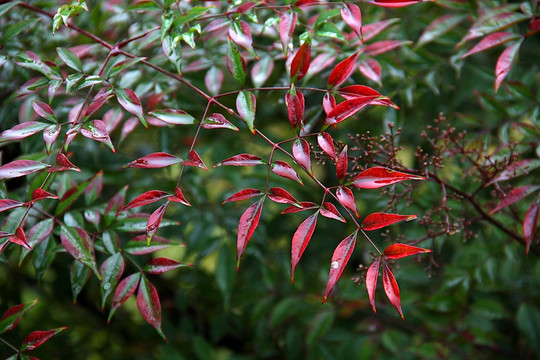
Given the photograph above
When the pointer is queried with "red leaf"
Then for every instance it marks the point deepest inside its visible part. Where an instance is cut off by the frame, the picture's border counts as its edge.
(371, 69)
(304, 205)
(339, 261)
(64, 164)
(294, 100)
(7, 204)
(153, 161)
(39, 194)
(194, 160)
(149, 305)
(326, 143)
(10, 319)
(530, 223)
(282, 196)
(283, 169)
(346, 198)
(22, 131)
(242, 160)
(330, 211)
(514, 196)
(213, 80)
(240, 33)
(391, 289)
(356, 91)
(123, 291)
(154, 220)
(490, 41)
(300, 240)
(377, 177)
(37, 338)
(300, 62)
(243, 195)
(160, 265)
(179, 197)
(342, 164)
(383, 46)
(534, 25)
(146, 198)
(246, 226)
(43, 110)
(347, 109)
(128, 127)
(342, 71)
(516, 169)
(371, 282)
(287, 23)
(79, 245)
(19, 168)
(374, 29)
(505, 62)
(300, 150)
(98, 101)
(19, 238)
(353, 17)
(398, 251)
(131, 103)
(217, 121)
(49, 136)
(395, 3)
(329, 102)
(379, 220)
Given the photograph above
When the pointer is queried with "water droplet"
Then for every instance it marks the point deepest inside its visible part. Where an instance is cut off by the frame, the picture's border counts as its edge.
(107, 286)
(334, 264)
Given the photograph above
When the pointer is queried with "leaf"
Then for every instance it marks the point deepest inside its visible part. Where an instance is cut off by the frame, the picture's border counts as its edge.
(514, 196)
(493, 20)
(149, 305)
(371, 282)
(138, 245)
(179, 197)
(7, 204)
(294, 100)
(173, 51)
(49, 136)
(301, 61)
(490, 41)
(154, 161)
(346, 198)
(373, 29)
(301, 239)
(79, 245)
(217, 121)
(236, 63)
(514, 170)
(261, 70)
(173, 116)
(122, 65)
(111, 271)
(242, 160)
(240, 33)
(194, 160)
(352, 16)
(304, 205)
(378, 220)
(398, 251)
(330, 211)
(72, 194)
(505, 62)
(97, 130)
(348, 108)
(11, 317)
(70, 59)
(131, 103)
(329, 102)
(246, 226)
(19, 238)
(123, 291)
(246, 104)
(22, 131)
(36, 235)
(339, 261)
(154, 221)
(326, 143)
(395, 3)
(243, 195)
(160, 265)
(439, 27)
(63, 164)
(146, 198)
(377, 177)
(530, 223)
(283, 169)
(391, 289)
(300, 150)
(213, 80)
(383, 46)
(282, 196)
(371, 69)
(78, 276)
(37, 338)
(287, 24)
(342, 164)
(40, 194)
(20, 168)
(342, 71)
(4, 8)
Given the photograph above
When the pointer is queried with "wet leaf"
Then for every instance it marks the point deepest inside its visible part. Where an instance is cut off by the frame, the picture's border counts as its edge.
(146, 198)
(37, 338)
(282, 196)
(383, 46)
(330, 211)
(154, 221)
(173, 116)
(246, 226)
(326, 143)
(304, 205)
(246, 104)
(301, 153)
(217, 121)
(243, 195)
(377, 177)
(373, 29)
(97, 130)
(242, 160)
(341, 256)
(149, 305)
(236, 63)
(352, 16)
(213, 80)
(7, 204)
(179, 197)
(111, 271)
(342, 164)
(490, 41)
(160, 265)
(294, 100)
(194, 160)
(123, 291)
(348, 108)
(78, 276)
(40, 194)
(240, 33)
(398, 251)
(395, 3)
(371, 69)
(514, 170)
(371, 282)
(154, 161)
(301, 61)
(131, 103)
(49, 136)
(71, 195)
(346, 198)
(20, 168)
(378, 220)
(439, 27)
(505, 62)
(287, 24)
(283, 169)
(329, 102)
(261, 70)
(11, 317)
(342, 71)
(514, 196)
(19, 238)
(391, 289)
(70, 59)
(79, 245)
(22, 131)
(301, 239)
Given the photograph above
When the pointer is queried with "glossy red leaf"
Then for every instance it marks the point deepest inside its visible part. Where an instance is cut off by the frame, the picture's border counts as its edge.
(346, 198)
(149, 305)
(246, 226)
(154, 221)
(160, 265)
(391, 289)
(123, 291)
(398, 251)
(490, 41)
(43, 110)
(11, 317)
(19, 238)
(301, 239)
(294, 100)
(380, 47)
(379, 220)
(330, 211)
(243, 195)
(179, 197)
(240, 33)
(301, 153)
(282, 196)
(40, 194)
(19, 168)
(352, 16)
(326, 143)
(283, 169)
(301, 61)
(246, 104)
(49, 136)
(339, 261)
(287, 23)
(7, 204)
(530, 223)
(217, 121)
(304, 205)
(64, 164)
(342, 164)
(377, 177)
(22, 131)
(242, 160)
(395, 3)
(37, 338)
(348, 108)
(514, 196)
(371, 69)
(131, 103)
(356, 91)
(153, 161)
(534, 26)
(505, 62)
(194, 160)
(342, 71)
(146, 198)
(371, 282)
(329, 102)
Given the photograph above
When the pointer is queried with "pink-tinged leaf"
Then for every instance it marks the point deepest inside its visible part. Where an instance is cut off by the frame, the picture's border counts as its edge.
(131, 103)
(438, 27)
(283, 169)
(64, 162)
(40, 194)
(287, 23)
(377, 177)
(490, 41)
(240, 33)
(217, 121)
(391, 289)
(514, 196)
(261, 70)
(97, 130)
(123, 291)
(493, 20)
(505, 62)
(44, 110)
(346, 198)
(242, 160)
(94, 188)
(245, 7)
(347, 109)
(7, 204)
(19, 238)
(330, 211)
(146, 198)
(10, 319)
(149, 305)
(160, 265)
(371, 282)
(79, 245)
(243, 195)
(153, 161)
(380, 47)
(395, 3)
(194, 160)
(301, 239)
(294, 100)
(530, 223)
(49, 136)
(72, 194)
(128, 127)
(352, 16)
(342, 164)
(516, 169)
(246, 104)
(282, 196)
(99, 100)
(179, 197)
(342, 71)
(371, 69)
(339, 261)
(374, 29)
(154, 220)
(213, 80)
(37, 338)
(379, 220)
(326, 143)
(304, 205)
(398, 251)
(19, 168)
(246, 226)
(329, 102)
(22, 131)
(173, 116)
(301, 153)
(300, 62)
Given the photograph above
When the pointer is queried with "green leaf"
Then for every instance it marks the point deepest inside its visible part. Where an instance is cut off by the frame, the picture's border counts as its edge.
(36, 235)
(173, 116)
(145, 5)
(192, 14)
(16, 28)
(330, 30)
(72, 82)
(78, 275)
(246, 106)
(149, 305)
(236, 63)
(111, 270)
(42, 256)
(71, 195)
(4, 8)
(138, 224)
(528, 322)
(79, 245)
(173, 51)
(325, 16)
(13, 315)
(70, 59)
